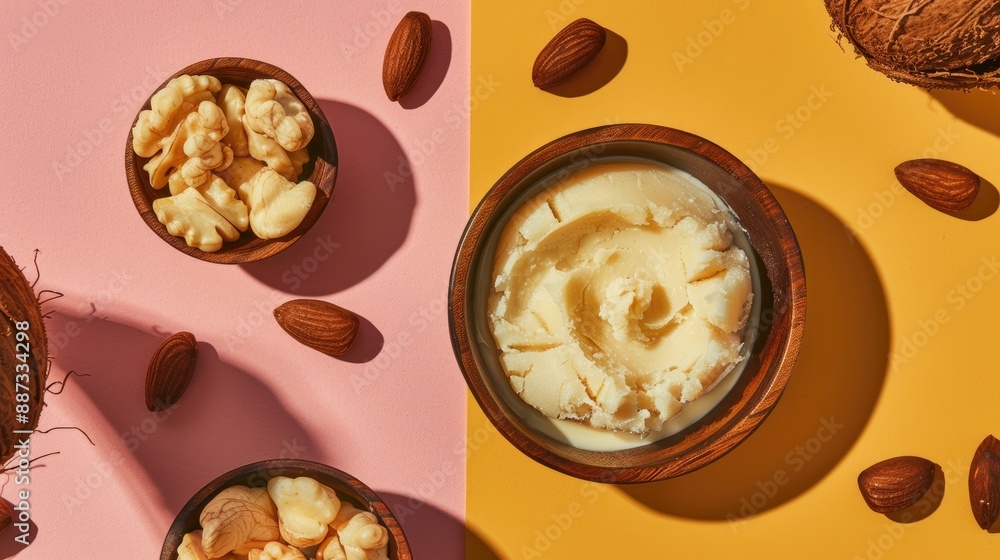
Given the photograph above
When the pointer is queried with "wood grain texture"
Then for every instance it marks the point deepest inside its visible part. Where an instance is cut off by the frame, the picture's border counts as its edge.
(770, 363)
(18, 303)
(321, 169)
(257, 474)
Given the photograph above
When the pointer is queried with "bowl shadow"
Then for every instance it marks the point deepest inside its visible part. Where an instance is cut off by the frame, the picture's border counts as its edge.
(366, 222)
(608, 63)
(830, 395)
(435, 69)
(433, 533)
(176, 448)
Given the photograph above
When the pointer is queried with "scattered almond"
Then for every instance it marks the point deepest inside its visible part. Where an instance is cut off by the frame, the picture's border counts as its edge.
(896, 484)
(942, 185)
(984, 482)
(170, 371)
(570, 50)
(319, 325)
(405, 54)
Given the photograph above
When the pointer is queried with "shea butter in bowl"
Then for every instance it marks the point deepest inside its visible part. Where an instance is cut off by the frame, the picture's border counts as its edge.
(627, 303)
(231, 160)
(272, 506)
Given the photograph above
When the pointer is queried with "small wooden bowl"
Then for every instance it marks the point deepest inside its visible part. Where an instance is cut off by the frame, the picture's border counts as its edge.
(348, 489)
(321, 169)
(783, 294)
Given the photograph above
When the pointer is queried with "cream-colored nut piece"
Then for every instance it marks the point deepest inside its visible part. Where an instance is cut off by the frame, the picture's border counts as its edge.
(168, 107)
(276, 551)
(331, 549)
(363, 538)
(277, 205)
(267, 150)
(191, 216)
(232, 100)
(198, 134)
(239, 173)
(205, 154)
(236, 516)
(619, 296)
(305, 509)
(220, 196)
(190, 547)
(273, 110)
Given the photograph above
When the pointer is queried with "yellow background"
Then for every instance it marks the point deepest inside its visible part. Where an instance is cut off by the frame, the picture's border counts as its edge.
(883, 273)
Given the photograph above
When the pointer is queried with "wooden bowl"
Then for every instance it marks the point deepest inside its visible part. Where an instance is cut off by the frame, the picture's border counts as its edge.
(321, 169)
(348, 488)
(782, 294)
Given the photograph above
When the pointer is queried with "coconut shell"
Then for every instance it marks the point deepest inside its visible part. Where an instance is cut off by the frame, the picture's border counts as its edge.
(948, 44)
(18, 303)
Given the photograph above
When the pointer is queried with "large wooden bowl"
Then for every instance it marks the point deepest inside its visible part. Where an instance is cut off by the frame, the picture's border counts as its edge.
(782, 294)
(257, 474)
(321, 169)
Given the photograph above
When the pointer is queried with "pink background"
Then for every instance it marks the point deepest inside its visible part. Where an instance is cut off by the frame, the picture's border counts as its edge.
(393, 414)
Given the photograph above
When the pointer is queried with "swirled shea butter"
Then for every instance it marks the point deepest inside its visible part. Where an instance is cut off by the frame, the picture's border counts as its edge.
(619, 296)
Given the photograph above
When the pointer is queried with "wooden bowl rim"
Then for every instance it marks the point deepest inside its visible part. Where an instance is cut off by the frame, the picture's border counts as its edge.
(750, 414)
(323, 176)
(375, 503)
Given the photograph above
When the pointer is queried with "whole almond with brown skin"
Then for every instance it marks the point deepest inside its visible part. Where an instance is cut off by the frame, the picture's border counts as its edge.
(943, 185)
(896, 484)
(406, 54)
(570, 50)
(984, 482)
(319, 325)
(170, 371)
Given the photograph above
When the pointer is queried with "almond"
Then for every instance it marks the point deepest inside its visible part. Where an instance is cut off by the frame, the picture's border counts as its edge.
(170, 370)
(405, 54)
(984, 482)
(942, 185)
(896, 484)
(319, 325)
(570, 50)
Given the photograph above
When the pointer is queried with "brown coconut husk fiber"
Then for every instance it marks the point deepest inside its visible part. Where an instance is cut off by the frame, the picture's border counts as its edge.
(945, 44)
(18, 303)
